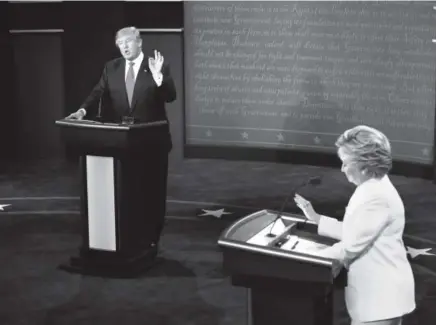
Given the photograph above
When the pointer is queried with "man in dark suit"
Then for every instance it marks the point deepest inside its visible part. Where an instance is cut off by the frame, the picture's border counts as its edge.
(137, 87)
(132, 85)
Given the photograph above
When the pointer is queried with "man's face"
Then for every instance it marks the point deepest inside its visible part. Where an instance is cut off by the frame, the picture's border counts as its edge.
(129, 46)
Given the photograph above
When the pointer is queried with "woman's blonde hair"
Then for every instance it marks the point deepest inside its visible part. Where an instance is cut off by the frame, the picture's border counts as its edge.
(369, 148)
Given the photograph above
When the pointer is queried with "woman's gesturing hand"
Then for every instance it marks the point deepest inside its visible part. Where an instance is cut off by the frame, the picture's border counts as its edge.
(307, 208)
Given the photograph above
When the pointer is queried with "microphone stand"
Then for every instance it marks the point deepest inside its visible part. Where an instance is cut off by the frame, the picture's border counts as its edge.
(98, 117)
(313, 181)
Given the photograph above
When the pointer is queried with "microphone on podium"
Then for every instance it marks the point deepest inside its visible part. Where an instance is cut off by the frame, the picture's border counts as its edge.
(315, 180)
(98, 117)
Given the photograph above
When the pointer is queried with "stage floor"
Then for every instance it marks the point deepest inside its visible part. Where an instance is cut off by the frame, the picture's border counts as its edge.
(40, 229)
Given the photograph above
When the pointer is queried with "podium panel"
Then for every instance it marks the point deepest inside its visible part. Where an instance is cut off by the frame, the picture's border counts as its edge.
(276, 260)
(123, 196)
(100, 189)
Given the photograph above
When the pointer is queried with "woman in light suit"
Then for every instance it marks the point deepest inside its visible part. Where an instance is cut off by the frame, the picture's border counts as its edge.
(381, 287)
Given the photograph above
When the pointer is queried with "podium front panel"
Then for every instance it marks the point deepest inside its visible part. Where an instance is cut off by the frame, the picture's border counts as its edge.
(100, 184)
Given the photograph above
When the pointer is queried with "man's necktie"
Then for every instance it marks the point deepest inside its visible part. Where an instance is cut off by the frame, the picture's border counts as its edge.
(130, 83)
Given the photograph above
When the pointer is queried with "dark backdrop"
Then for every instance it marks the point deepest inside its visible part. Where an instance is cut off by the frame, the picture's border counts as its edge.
(53, 53)
(7, 119)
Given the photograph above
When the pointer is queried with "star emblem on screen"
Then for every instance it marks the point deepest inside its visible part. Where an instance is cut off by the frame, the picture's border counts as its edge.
(425, 151)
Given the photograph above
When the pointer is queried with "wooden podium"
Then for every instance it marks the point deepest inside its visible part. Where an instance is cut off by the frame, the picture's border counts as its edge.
(286, 284)
(123, 194)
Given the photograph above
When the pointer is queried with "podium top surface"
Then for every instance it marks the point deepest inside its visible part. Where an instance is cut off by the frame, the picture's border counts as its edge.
(91, 124)
(249, 234)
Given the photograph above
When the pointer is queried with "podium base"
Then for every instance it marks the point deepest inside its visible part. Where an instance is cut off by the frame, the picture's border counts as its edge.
(291, 308)
(287, 302)
(112, 267)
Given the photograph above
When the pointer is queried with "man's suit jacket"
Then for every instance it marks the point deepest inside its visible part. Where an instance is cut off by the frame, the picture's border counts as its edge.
(380, 279)
(148, 101)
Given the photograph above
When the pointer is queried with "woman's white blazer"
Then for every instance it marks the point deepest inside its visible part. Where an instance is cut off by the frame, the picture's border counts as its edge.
(380, 280)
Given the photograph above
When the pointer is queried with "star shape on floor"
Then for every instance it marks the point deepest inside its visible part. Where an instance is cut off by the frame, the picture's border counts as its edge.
(215, 213)
(280, 137)
(317, 140)
(244, 135)
(414, 252)
(3, 205)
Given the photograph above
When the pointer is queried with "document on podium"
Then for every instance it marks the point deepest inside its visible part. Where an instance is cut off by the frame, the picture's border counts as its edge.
(305, 246)
(86, 121)
(262, 238)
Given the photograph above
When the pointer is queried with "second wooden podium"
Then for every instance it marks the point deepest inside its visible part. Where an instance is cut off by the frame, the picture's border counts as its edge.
(123, 194)
(286, 285)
